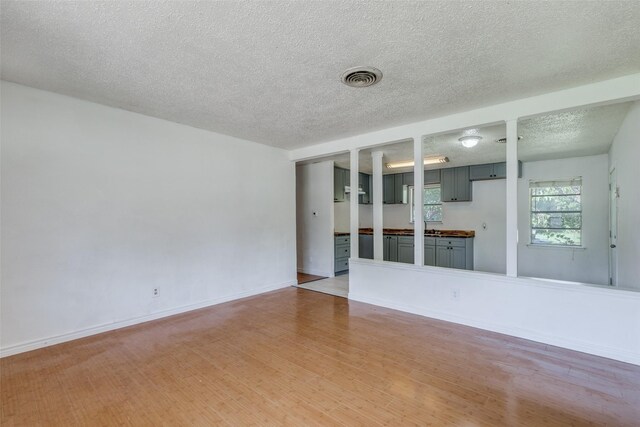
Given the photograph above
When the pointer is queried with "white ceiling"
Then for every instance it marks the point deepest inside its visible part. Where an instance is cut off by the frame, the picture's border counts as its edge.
(269, 71)
(576, 133)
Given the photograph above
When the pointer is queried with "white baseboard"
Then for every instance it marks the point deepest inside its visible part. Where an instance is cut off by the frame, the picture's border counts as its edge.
(564, 342)
(45, 342)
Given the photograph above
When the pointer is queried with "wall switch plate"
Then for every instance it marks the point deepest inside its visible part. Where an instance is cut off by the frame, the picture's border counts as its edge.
(156, 292)
(455, 294)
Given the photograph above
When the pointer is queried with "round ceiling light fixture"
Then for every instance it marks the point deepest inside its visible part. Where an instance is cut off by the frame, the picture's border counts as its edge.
(469, 141)
(361, 76)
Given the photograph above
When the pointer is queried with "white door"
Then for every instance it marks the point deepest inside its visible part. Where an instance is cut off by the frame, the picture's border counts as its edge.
(613, 229)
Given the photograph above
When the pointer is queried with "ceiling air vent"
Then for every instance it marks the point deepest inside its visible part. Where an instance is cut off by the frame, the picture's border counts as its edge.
(504, 140)
(361, 76)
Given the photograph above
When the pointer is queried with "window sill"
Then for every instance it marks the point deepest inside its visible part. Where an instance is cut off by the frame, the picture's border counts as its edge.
(537, 245)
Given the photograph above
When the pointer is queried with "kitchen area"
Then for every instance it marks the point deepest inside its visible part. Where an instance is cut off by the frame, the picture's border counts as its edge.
(462, 205)
(571, 201)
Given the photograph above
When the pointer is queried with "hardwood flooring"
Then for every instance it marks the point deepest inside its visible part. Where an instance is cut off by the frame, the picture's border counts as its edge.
(306, 278)
(296, 357)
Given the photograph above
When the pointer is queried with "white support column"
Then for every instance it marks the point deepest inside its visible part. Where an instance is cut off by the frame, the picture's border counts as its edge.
(418, 216)
(378, 251)
(512, 198)
(353, 202)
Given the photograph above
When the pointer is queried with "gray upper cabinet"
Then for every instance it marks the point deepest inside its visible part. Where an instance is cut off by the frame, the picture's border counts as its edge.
(398, 179)
(388, 189)
(341, 178)
(478, 172)
(392, 187)
(491, 171)
(364, 182)
(500, 170)
(456, 186)
(432, 176)
(338, 185)
(407, 178)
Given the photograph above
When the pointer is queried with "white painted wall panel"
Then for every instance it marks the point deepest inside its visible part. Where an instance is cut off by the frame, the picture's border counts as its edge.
(589, 265)
(625, 158)
(314, 193)
(100, 205)
(574, 316)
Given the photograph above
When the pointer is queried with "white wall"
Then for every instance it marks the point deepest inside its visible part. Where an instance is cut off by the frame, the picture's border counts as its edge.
(624, 156)
(314, 193)
(574, 316)
(589, 265)
(100, 205)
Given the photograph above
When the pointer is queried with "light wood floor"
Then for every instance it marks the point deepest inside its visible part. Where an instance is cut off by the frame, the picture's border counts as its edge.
(306, 278)
(304, 358)
(338, 285)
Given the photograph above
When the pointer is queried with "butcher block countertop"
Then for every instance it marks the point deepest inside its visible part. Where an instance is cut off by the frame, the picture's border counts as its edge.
(409, 232)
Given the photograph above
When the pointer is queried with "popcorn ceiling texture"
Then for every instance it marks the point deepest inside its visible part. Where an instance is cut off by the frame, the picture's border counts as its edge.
(270, 71)
(575, 133)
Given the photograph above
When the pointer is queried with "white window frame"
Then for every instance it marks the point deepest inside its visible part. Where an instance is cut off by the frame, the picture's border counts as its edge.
(410, 190)
(559, 182)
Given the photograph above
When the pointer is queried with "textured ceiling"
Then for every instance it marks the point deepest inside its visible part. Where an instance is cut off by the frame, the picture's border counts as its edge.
(576, 133)
(269, 71)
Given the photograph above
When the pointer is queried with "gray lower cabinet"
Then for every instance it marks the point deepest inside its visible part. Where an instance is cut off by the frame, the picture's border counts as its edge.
(455, 184)
(443, 258)
(390, 248)
(365, 246)
(405, 249)
(342, 251)
(453, 252)
(430, 251)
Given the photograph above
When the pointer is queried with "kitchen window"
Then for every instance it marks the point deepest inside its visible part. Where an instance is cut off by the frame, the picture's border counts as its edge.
(556, 212)
(432, 201)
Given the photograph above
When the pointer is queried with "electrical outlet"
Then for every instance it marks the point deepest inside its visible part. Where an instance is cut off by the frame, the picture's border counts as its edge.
(455, 294)
(156, 292)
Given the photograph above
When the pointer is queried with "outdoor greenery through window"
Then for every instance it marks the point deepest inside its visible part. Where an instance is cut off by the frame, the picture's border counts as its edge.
(432, 203)
(556, 212)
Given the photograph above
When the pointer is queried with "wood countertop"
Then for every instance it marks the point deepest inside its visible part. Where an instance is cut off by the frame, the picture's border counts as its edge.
(409, 232)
